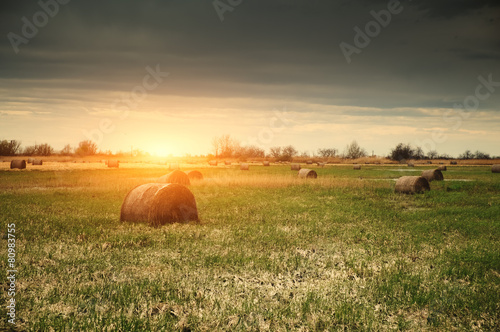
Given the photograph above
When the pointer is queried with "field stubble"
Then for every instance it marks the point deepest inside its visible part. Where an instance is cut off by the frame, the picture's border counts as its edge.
(273, 252)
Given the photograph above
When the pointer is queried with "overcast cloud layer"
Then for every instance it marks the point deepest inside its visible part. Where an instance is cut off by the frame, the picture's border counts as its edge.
(229, 76)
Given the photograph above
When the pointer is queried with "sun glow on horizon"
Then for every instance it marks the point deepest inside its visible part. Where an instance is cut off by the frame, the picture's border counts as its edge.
(159, 150)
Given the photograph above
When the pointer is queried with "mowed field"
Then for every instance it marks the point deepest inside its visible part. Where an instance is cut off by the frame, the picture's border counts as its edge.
(272, 252)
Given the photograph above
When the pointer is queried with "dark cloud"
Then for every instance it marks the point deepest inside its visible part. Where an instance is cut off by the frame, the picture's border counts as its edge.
(430, 53)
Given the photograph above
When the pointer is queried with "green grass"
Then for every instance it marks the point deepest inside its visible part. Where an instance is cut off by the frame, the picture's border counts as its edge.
(273, 252)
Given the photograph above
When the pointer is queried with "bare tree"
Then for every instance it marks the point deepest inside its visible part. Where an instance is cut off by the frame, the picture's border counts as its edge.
(354, 151)
(288, 153)
(326, 153)
(66, 151)
(275, 152)
(432, 154)
(216, 146)
(86, 148)
(226, 145)
(9, 148)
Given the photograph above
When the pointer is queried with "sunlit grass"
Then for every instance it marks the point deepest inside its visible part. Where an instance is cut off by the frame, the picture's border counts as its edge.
(273, 252)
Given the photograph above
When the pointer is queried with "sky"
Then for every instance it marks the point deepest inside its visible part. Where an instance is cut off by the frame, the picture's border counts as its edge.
(166, 76)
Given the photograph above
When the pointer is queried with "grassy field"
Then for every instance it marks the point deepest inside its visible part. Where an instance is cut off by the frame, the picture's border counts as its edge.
(272, 252)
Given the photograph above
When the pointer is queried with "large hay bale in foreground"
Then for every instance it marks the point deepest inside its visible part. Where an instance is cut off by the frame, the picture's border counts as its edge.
(176, 176)
(433, 175)
(495, 168)
(266, 163)
(113, 163)
(442, 168)
(159, 204)
(411, 184)
(194, 175)
(212, 163)
(356, 167)
(37, 162)
(18, 163)
(306, 173)
(244, 167)
(295, 167)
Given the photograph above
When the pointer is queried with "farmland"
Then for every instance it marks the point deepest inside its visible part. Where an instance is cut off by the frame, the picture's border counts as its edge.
(272, 252)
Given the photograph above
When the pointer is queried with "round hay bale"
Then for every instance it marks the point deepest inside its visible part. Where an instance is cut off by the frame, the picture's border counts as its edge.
(411, 184)
(429, 162)
(266, 163)
(212, 163)
(357, 167)
(244, 167)
(18, 163)
(113, 163)
(194, 175)
(309, 162)
(30, 160)
(453, 163)
(295, 167)
(227, 163)
(175, 176)
(442, 168)
(159, 204)
(411, 165)
(173, 166)
(306, 173)
(433, 175)
(37, 162)
(495, 168)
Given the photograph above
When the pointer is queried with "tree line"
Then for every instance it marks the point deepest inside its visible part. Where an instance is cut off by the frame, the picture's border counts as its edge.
(225, 146)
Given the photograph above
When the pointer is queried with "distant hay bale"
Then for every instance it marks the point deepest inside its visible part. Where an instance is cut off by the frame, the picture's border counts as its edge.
(175, 176)
(495, 168)
(442, 168)
(306, 173)
(173, 166)
(113, 163)
(266, 163)
(244, 167)
(159, 204)
(429, 162)
(453, 163)
(194, 175)
(309, 162)
(295, 167)
(226, 162)
(18, 163)
(411, 165)
(30, 160)
(212, 162)
(37, 162)
(433, 175)
(356, 167)
(411, 184)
